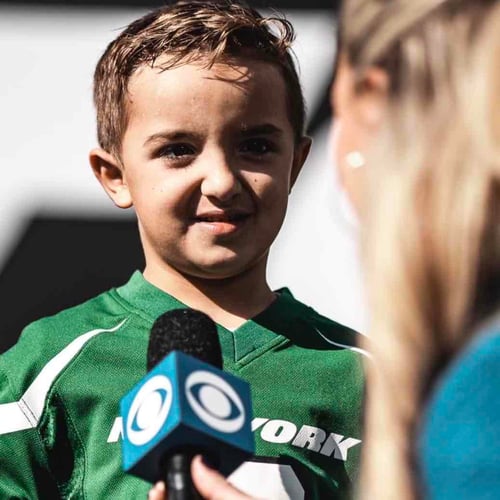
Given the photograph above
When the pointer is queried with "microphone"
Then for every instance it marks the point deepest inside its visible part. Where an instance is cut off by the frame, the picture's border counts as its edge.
(185, 405)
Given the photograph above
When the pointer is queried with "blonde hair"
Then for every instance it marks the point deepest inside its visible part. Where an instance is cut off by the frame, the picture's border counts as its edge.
(433, 229)
(187, 32)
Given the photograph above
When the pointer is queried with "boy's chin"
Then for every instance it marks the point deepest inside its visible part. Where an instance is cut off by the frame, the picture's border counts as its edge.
(221, 269)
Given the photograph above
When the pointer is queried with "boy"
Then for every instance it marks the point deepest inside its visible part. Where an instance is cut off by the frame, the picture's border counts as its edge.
(200, 123)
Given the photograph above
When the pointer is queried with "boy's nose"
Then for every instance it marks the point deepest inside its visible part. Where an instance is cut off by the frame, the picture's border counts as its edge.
(220, 181)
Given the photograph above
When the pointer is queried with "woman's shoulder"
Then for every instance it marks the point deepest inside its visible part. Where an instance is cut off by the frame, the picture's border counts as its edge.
(459, 443)
(478, 363)
(470, 378)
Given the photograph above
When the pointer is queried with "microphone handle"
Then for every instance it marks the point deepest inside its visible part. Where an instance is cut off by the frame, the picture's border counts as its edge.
(177, 470)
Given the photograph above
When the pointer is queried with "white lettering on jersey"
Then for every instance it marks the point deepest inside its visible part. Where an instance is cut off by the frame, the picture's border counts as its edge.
(278, 431)
(116, 431)
(26, 413)
(338, 445)
(281, 432)
(309, 437)
(312, 438)
(258, 422)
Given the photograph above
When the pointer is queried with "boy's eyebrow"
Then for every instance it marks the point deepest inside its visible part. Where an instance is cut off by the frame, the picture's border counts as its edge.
(265, 129)
(172, 136)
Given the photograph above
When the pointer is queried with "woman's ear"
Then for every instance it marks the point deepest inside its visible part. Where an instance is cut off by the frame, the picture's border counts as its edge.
(299, 157)
(109, 172)
(359, 104)
(372, 88)
(360, 97)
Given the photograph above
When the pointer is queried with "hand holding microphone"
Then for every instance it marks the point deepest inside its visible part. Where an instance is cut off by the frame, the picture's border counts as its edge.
(210, 484)
(185, 405)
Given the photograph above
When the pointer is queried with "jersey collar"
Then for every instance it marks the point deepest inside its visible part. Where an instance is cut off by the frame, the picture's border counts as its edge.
(266, 329)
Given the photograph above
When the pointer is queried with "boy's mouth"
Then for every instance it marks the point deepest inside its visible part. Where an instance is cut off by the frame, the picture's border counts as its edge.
(218, 222)
(222, 216)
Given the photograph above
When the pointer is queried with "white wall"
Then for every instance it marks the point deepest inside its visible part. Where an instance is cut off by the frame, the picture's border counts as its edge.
(47, 58)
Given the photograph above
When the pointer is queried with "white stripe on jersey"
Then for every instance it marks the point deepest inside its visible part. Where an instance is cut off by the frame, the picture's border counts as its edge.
(26, 413)
(351, 348)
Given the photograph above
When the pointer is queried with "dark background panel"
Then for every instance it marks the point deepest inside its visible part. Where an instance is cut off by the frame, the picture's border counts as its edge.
(62, 262)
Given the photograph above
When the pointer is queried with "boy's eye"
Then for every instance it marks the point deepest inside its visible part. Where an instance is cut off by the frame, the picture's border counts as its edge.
(257, 146)
(176, 151)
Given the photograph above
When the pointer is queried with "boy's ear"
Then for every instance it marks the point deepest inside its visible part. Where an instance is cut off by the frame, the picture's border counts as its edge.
(300, 155)
(109, 173)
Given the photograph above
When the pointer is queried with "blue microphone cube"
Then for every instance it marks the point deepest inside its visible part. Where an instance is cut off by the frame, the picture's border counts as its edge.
(186, 403)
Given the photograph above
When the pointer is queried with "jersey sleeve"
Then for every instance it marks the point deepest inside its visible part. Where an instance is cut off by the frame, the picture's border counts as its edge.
(23, 463)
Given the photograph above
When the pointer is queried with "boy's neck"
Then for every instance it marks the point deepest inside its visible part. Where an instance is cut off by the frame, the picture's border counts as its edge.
(229, 302)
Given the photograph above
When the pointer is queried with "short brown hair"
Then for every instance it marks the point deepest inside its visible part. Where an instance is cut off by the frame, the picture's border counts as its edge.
(187, 32)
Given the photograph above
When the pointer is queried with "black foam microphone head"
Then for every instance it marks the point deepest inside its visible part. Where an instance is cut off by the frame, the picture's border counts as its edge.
(186, 330)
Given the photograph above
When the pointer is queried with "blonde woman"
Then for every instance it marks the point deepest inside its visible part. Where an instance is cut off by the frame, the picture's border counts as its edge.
(417, 138)
(416, 97)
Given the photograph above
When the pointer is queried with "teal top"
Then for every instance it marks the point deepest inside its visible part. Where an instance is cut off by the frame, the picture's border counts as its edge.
(459, 447)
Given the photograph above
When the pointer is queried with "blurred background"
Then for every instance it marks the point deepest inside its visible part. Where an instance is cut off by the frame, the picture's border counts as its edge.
(63, 241)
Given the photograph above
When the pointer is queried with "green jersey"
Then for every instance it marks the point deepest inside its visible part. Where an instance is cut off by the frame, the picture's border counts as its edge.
(60, 387)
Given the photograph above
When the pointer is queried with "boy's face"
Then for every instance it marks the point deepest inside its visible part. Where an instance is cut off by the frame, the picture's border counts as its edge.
(209, 158)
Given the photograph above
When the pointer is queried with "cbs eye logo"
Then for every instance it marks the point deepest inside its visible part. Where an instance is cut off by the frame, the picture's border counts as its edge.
(149, 409)
(214, 401)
